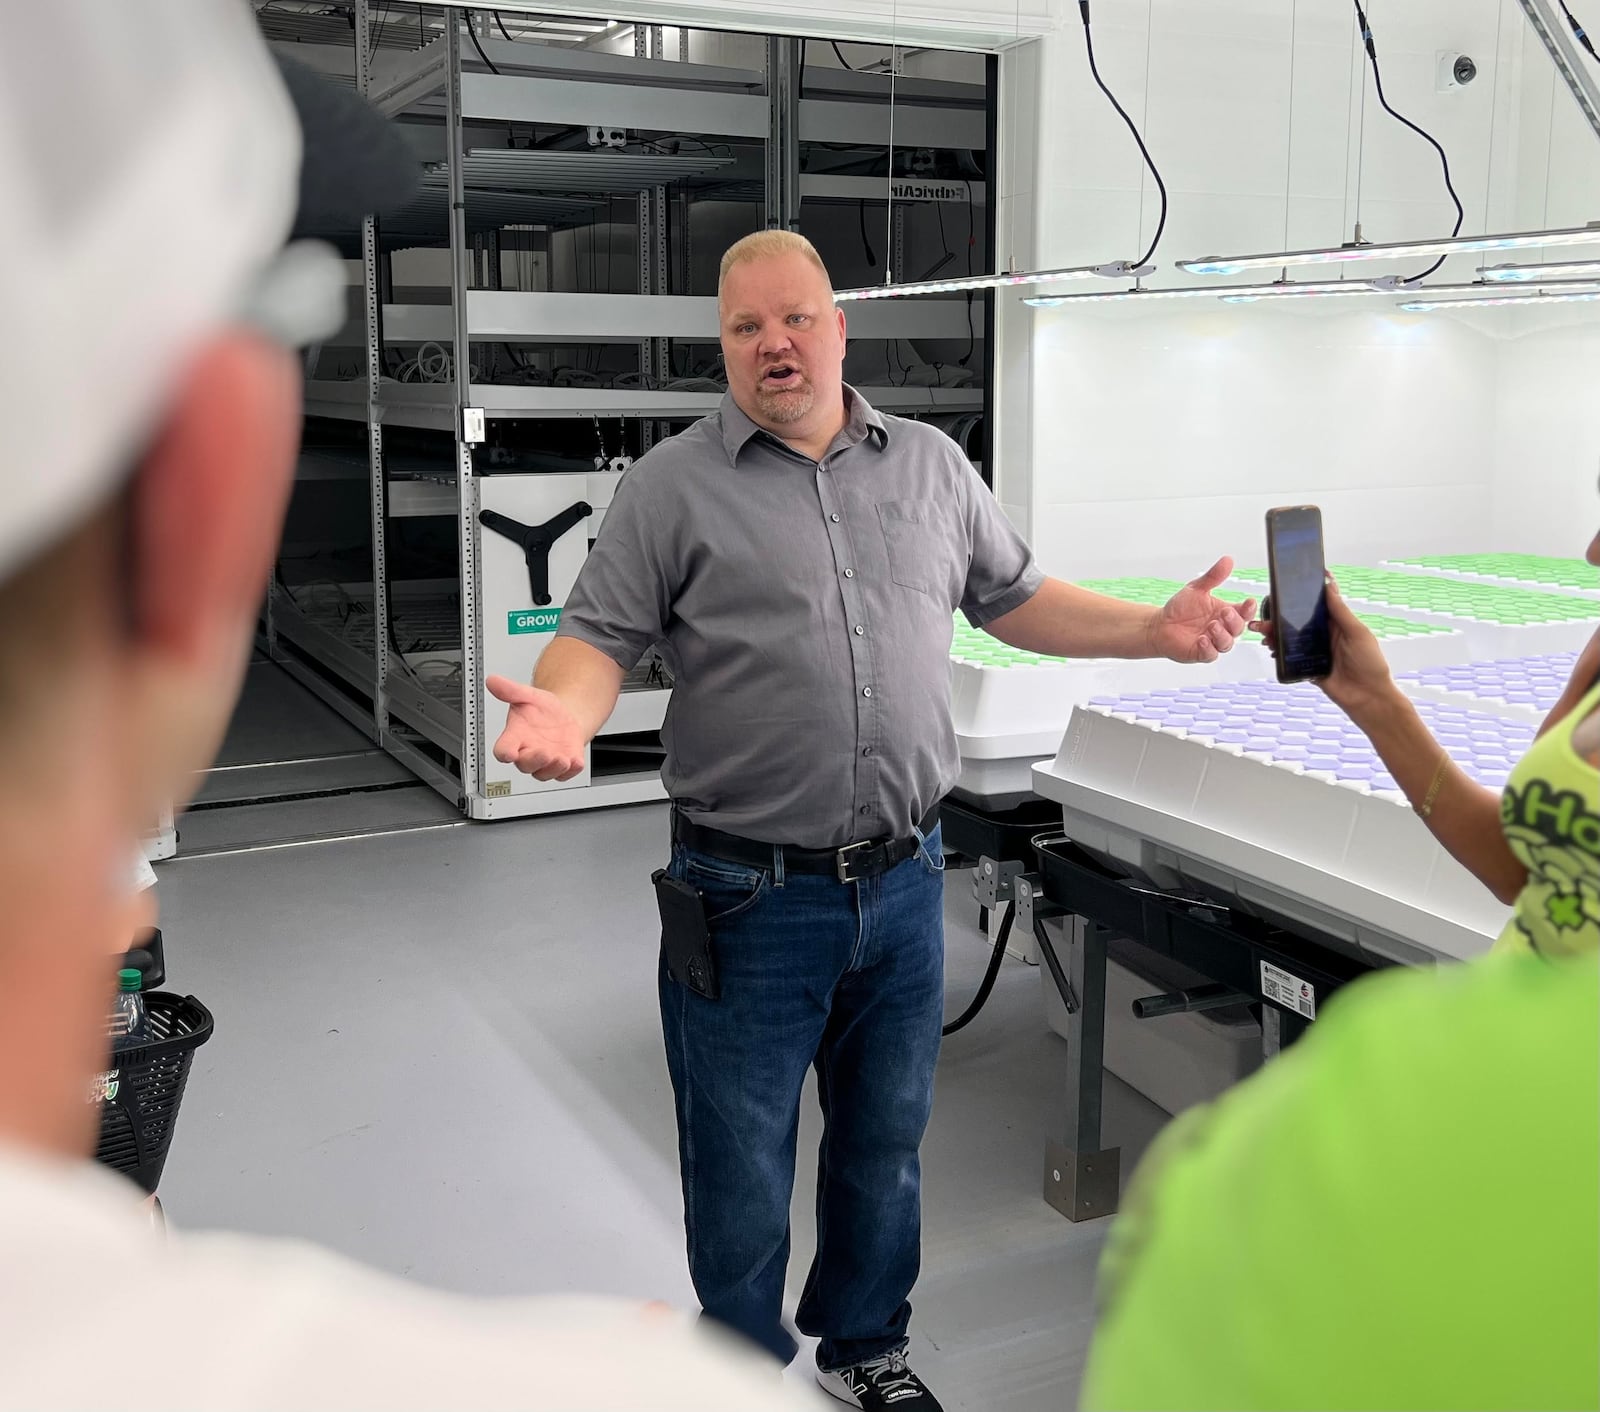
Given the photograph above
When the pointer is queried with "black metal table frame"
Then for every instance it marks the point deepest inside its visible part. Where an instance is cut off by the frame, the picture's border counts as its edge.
(1082, 1178)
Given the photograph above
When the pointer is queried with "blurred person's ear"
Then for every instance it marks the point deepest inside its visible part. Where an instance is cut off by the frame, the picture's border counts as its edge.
(206, 512)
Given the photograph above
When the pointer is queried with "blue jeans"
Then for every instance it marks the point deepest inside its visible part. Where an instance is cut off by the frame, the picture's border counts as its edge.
(848, 977)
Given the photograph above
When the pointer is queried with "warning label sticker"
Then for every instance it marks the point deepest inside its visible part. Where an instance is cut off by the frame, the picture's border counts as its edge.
(1288, 991)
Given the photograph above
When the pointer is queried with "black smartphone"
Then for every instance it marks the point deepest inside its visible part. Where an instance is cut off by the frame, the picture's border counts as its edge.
(685, 936)
(1298, 571)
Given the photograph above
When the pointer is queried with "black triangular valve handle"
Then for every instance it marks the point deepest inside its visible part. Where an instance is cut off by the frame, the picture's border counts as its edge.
(536, 542)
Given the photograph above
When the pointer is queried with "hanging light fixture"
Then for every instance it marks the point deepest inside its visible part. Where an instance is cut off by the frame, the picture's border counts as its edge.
(1394, 250)
(1487, 289)
(1117, 269)
(1231, 293)
(1309, 289)
(1576, 292)
(1538, 274)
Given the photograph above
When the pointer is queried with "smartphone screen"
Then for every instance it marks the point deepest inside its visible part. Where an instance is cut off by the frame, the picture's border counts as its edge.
(1299, 592)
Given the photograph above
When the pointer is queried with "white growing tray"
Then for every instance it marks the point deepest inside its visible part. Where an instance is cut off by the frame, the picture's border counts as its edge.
(1006, 718)
(1183, 807)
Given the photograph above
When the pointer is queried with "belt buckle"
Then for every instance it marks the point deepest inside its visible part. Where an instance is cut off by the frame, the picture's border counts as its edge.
(842, 859)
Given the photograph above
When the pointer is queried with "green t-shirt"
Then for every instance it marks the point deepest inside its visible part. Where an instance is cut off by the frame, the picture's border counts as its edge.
(1400, 1212)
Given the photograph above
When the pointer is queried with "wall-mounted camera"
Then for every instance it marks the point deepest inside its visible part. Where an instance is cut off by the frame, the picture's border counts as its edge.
(1455, 70)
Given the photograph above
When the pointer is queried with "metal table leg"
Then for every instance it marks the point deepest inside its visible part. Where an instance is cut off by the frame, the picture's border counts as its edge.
(1082, 1180)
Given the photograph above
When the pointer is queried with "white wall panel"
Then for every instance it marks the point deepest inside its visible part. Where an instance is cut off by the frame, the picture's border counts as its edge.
(1162, 433)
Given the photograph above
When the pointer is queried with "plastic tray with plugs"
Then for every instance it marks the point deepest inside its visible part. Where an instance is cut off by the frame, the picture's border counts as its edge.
(1268, 798)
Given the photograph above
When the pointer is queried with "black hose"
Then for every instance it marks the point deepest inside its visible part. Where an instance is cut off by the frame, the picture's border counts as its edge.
(1578, 31)
(1444, 160)
(995, 958)
(472, 34)
(1161, 186)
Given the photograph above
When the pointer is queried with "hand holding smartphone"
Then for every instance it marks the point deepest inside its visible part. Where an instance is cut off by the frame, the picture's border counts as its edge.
(1302, 637)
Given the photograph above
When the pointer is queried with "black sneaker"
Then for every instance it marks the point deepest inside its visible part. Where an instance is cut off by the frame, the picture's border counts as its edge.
(879, 1382)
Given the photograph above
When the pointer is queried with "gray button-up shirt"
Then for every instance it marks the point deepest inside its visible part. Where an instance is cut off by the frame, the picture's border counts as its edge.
(806, 609)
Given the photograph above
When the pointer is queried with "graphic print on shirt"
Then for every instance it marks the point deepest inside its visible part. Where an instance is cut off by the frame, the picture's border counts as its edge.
(1555, 833)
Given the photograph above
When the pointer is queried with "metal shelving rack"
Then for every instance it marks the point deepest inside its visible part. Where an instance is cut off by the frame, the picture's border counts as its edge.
(348, 651)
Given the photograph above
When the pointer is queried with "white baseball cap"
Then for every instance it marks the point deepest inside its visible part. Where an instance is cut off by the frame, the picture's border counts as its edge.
(154, 159)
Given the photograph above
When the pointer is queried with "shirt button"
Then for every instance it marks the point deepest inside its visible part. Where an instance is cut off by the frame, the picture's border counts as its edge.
(860, 631)
(834, 517)
(866, 809)
(866, 691)
(849, 573)
(866, 750)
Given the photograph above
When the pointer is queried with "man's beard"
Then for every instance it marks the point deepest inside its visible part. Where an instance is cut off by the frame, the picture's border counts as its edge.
(786, 406)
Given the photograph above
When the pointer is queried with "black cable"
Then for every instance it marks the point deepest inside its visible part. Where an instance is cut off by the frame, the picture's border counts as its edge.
(1578, 30)
(839, 53)
(472, 34)
(872, 259)
(995, 958)
(1449, 185)
(1161, 225)
(716, 149)
(503, 30)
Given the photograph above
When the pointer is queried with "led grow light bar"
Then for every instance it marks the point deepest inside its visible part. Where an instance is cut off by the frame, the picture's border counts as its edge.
(1231, 293)
(1580, 293)
(1117, 269)
(1394, 250)
(1538, 274)
(1553, 286)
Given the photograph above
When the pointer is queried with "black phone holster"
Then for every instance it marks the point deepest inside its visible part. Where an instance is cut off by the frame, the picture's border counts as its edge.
(686, 935)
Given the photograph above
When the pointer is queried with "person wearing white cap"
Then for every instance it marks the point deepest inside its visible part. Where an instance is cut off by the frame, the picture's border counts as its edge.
(149, 407)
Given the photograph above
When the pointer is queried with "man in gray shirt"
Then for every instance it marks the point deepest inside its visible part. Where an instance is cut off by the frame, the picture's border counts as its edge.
(798, 557)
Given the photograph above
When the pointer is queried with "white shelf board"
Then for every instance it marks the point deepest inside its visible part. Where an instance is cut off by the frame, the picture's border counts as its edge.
(532, 316)
(579, 102)
(604, 794)
(637, 711)
(432, 405)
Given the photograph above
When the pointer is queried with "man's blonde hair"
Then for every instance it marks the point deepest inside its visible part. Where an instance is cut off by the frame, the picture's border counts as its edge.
(762, 245)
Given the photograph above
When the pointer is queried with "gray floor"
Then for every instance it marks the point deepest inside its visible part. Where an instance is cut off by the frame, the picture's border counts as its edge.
(293, 769)
(439, 1053)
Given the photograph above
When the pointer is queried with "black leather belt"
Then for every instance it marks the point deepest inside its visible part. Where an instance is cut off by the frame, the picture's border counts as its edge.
(851, 863)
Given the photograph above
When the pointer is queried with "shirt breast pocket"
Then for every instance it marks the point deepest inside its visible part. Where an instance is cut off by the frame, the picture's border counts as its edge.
(918, 547)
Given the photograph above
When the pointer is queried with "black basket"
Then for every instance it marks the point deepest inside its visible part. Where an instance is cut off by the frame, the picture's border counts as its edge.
(138, 1114)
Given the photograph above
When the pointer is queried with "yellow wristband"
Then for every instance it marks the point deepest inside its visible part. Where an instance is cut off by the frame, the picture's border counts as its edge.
(1425, 808)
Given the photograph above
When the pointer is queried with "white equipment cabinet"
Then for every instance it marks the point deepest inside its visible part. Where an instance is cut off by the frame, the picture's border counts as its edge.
(514, 632)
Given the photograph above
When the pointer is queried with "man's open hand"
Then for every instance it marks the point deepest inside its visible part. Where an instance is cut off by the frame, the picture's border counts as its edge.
(542, 737)
(1197, 626)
